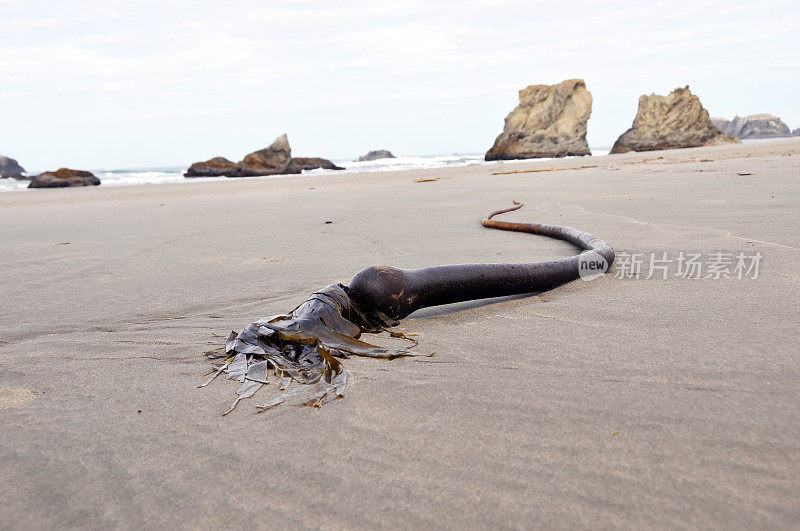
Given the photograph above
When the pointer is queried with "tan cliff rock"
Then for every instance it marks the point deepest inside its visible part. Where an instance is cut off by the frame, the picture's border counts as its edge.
(668, 122)
(550, 121)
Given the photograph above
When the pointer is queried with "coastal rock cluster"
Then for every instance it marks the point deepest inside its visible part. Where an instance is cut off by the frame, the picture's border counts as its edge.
(273, 160)
(550, 121)
(376, 155)
(61, 178)
(754, 126)
(10, 168)
(64, 178)
(667, 122)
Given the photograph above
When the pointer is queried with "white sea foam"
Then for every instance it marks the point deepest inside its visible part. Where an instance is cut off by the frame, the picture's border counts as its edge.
(150, 176)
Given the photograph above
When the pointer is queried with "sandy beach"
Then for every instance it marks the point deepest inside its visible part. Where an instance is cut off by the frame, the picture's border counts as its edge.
(612, 403)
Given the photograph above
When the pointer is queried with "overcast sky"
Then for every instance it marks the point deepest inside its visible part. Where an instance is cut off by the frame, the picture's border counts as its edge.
(117, 84)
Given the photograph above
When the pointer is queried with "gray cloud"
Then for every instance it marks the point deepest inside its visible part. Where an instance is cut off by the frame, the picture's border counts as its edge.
(110, 84)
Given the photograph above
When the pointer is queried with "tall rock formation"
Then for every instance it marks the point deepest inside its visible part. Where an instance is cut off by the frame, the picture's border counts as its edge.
(668, 122)
(753, 126)
(10, 168)
(550, 121)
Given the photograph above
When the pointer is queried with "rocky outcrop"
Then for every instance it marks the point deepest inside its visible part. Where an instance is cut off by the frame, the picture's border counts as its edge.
(10, 168)
(550, 121)
(376, 155)
(753, 126)
(312, 163)
(721, 123)
(273, 160)
(216, 167)
(668, 122)
(63, 178)
(796, 132)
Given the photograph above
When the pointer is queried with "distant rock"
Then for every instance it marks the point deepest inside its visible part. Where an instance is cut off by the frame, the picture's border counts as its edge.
(312, 163)
(10, 168)
(216, 167)
(63, 178)
(753, 126)
(550, 121)
(668, 122)
(721, 123)
(273, 160)
(376, 155)
(796, 132)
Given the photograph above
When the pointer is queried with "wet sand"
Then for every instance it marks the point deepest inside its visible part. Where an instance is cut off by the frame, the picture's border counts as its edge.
(616, 402)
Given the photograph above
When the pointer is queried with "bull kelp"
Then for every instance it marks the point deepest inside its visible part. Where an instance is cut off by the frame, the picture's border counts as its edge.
(300, 351)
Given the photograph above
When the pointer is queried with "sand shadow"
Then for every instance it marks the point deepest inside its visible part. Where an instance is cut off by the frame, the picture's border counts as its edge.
(445, 309)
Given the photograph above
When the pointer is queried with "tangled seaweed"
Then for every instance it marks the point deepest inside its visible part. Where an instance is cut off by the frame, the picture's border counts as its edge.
(302, 348)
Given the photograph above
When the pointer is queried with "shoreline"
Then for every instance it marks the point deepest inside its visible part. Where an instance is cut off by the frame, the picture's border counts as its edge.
(390, 168)
(620, 402)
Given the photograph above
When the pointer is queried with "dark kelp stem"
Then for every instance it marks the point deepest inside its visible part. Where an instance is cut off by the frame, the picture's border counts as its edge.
(399, 292)
(301, 347)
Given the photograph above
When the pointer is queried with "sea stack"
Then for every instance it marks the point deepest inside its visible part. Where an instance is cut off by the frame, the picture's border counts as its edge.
(753, 126)
(64, 178)
(273, 160)
(10, 168)
(668, 122)
(376, 155)
(550, 121)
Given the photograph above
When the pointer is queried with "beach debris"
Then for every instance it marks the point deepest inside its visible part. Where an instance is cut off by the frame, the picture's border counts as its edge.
(542, 169)
(426, 180)
(302, 348)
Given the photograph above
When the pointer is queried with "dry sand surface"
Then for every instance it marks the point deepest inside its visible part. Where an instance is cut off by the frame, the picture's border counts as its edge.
(665, 403)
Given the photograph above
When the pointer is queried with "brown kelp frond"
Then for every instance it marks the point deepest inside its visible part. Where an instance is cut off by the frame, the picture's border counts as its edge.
(302, 347)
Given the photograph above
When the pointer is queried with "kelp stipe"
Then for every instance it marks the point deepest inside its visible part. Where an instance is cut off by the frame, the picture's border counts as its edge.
(302, 348)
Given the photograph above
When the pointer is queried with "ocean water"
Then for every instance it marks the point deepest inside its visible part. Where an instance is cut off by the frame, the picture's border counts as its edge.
(162, 175)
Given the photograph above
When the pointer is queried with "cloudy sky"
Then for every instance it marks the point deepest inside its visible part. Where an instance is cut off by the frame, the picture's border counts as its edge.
(121, 84)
